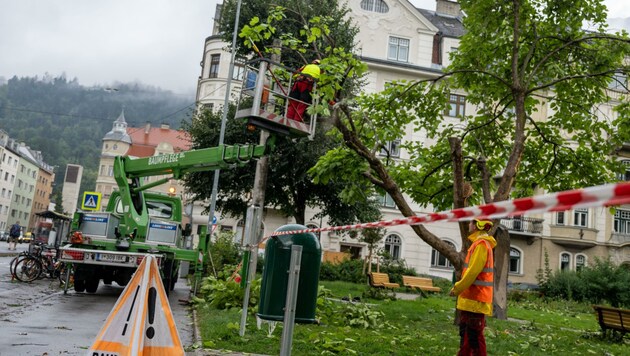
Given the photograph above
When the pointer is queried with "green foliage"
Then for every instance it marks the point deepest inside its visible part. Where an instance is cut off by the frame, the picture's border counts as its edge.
(352, 314)
(302, 26)
(221, 294)
(424, 327)
(224, 251)
(602, 282)
(379, 294)
(395, 268)
(289, 187)
(347, 271)
(59, 203)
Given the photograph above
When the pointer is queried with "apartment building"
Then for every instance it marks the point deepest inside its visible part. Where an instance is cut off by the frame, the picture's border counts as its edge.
(25, 183)
(399, 41)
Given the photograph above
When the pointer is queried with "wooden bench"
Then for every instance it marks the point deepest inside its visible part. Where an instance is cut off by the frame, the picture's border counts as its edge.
(613, 318)
(381, 280)
(420, 283)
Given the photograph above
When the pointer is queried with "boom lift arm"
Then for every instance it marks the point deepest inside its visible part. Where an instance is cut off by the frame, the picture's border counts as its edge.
(128, 173)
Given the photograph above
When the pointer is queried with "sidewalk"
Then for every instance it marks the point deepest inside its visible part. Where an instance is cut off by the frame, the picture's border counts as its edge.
(4, 249)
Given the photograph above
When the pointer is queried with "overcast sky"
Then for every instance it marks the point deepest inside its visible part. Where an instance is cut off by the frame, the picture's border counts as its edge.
(156, 42)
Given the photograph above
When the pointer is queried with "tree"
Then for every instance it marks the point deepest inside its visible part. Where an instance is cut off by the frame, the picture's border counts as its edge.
(289, 188)
(290, 20)
(59, 204)
(516, 59)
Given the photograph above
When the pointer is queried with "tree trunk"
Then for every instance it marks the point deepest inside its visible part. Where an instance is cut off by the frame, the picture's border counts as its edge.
(501, 261)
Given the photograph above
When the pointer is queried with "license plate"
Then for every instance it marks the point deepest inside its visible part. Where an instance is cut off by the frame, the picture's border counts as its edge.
(106, 257)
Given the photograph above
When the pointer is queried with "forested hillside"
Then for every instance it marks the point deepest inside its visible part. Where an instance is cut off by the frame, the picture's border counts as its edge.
(67, 121)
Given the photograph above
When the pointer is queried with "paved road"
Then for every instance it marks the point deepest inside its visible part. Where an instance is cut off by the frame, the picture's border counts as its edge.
(39, 319)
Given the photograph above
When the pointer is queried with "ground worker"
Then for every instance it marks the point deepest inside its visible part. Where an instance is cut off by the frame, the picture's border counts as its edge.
(474, 290)
(300, 95)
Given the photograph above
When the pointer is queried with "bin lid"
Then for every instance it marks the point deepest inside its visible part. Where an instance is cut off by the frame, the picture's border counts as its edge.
(307, 240)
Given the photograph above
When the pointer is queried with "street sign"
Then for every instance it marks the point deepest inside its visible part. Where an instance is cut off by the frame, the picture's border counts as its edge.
(91, 201)
(214, 220)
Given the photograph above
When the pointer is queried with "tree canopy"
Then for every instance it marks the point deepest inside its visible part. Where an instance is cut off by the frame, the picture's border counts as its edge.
(538, 80)
(289, 187)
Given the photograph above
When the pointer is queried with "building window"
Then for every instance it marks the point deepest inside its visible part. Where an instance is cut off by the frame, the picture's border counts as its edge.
(580, 217)
(439, 260)
(457, 106)
(392, 246)
(565, 261)
(619, 81)
(560, 218)
(214, 66)
(391, 148)
(375, 6)
(515, 261)
(580, 262)
(625, 177)
(239, 70)
(398, 49)
(387, 201)
(622, 222)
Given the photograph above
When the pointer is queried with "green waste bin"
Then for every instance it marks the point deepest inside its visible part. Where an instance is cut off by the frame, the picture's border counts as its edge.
(273, 289)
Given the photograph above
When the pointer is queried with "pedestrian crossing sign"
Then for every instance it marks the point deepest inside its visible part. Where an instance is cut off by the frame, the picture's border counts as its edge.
(91, 201)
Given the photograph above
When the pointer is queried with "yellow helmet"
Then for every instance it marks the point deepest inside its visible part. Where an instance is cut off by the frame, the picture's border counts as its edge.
(482, 224)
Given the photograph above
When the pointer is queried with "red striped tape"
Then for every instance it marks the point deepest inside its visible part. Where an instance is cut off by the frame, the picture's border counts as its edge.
(599, 196)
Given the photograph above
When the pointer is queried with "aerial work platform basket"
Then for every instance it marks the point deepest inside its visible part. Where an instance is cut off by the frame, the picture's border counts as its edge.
(264, 101)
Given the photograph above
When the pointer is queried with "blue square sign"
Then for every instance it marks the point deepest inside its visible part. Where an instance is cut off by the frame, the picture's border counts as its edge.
(91, 201)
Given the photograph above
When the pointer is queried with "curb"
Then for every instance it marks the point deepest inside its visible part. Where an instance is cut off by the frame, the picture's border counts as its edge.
(209, 352)
(9, 254)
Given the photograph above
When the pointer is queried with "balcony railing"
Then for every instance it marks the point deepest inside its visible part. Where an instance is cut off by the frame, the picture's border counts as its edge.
(620, 238)
(523, 224)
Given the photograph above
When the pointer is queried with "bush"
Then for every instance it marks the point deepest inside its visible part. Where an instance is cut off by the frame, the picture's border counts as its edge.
(395, 269)
(224, 251)
(347, 271)
(603, 282)
(222, 294)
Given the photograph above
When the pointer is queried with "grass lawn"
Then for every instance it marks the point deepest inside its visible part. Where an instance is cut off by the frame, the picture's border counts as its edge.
(418, 327)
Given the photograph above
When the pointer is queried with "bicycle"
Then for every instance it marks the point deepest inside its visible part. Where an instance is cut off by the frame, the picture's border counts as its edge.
(42, 262)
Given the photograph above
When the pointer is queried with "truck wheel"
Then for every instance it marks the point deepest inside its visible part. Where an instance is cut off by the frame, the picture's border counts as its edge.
(91, 285)
(79, 285)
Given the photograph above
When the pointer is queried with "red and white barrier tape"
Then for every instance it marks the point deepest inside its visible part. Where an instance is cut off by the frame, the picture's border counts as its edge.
(602, 195)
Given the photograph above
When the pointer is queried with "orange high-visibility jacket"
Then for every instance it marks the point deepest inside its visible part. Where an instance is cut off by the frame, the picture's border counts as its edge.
(475, 288)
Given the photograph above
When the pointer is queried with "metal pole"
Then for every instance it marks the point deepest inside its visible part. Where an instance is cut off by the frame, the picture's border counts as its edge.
(252, 230)
(291, 301)
(226, 102)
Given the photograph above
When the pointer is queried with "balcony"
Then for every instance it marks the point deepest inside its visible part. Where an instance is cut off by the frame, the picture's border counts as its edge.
(619, 238)
(523, 225)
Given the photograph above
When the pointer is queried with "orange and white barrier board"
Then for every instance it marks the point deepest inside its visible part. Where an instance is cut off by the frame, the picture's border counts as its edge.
(141, 323)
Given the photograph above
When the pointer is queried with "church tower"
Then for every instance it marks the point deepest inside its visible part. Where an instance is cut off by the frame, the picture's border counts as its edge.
(115, 143)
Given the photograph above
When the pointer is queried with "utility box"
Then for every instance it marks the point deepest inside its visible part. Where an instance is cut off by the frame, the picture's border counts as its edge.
(99, 225)
(273, 289)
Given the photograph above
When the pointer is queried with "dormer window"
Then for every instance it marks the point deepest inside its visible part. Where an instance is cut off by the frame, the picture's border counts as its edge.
(375, 5)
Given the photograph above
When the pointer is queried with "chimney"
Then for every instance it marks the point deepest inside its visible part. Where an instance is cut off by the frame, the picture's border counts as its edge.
(448, 8)
(165, 127)
(147, 128)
